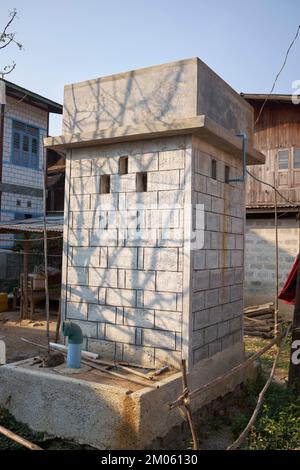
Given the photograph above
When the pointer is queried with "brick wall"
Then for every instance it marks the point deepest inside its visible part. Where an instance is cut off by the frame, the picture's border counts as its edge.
(260, 257)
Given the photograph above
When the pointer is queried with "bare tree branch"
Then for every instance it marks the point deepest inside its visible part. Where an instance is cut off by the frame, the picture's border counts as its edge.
(6, 38)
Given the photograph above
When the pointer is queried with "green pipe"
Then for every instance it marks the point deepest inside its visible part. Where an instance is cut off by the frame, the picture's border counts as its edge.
(73, 332)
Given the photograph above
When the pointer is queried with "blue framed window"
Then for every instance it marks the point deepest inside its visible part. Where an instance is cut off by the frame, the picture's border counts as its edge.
(25, 145)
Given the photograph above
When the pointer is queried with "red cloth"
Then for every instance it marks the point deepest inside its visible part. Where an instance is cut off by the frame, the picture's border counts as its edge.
(288, 292)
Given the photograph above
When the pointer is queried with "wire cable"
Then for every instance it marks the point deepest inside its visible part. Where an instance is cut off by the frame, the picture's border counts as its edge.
(278, 74)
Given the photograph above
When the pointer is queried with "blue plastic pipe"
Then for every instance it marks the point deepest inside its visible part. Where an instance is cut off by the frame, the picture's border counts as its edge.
(75, 338)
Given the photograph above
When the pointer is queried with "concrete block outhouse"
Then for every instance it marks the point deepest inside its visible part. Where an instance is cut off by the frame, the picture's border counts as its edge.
(154, 224)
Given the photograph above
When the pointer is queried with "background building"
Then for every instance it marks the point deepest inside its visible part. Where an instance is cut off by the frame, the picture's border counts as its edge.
(24, 123)
(277, 136)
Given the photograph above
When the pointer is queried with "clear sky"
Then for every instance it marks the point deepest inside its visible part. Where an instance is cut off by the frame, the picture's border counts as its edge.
(66, 41)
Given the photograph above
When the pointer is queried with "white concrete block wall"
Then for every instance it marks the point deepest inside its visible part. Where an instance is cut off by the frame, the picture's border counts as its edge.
(217, 269)
(124, 285)
(143, 297)
(19, 175)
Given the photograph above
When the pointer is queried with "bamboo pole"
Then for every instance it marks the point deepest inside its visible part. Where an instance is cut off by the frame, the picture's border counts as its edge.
(276, 309)
(46, 249)
(186, 405)
(20, 440)
(24, 313)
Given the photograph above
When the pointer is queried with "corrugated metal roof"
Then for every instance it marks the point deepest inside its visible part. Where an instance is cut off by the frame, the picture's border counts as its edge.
(54, 224)
(270, 206)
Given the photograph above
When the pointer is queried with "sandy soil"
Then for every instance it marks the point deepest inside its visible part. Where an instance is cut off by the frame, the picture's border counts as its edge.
(12, 330)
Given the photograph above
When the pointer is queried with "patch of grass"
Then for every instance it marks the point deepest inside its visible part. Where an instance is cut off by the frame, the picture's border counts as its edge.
(278, 424)
(9, 422)
(39, 438)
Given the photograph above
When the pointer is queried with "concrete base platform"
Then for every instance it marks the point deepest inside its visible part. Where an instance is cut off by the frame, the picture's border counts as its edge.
(100, 411)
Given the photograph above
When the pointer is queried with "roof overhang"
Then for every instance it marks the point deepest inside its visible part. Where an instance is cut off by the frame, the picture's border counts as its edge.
(200, 126)
(270, 209)
(27, 96)
(273, 98)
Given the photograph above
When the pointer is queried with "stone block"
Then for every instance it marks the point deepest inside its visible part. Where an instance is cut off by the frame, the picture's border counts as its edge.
(139, 317)
(123, 183)
(103, 277)
(120, 333)
(89, 329)
(105, 165)
(105, 349)
(78, 237)
(197, 338)
(76, 310)
(169, 281)
(85, 185)
(199, 259)
(138, 355)
(85, 257)
(104, 202)
(82, 167)
(198, 301)
(102, 313)
(160, 300)
(211, 298)
(140, 279)
(102, 237)
(80, 202)
(161, 259)
(121, 297)
(171, 159)
(170, 199)
(142, 237)
(210, 334)
(143, 162)
(214, 347)
(200, 280)
(159, 339)
(199, 354)
(201, 319)
(78, 276)
(122, 258)
(171, 321)
(163, 357)
(163, 180)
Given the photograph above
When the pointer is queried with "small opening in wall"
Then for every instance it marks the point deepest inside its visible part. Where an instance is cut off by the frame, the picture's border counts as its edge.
(141, 182)
(214, 169)
(227, 174)
(105, 184)
(28, 203)
(18, 203)
(123, 165)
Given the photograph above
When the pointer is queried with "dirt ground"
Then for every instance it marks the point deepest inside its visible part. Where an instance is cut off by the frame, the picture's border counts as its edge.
(12, 330)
